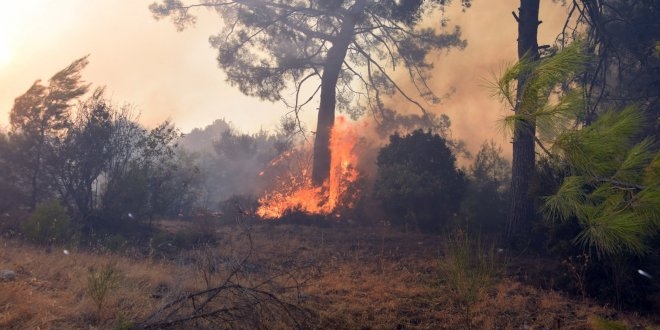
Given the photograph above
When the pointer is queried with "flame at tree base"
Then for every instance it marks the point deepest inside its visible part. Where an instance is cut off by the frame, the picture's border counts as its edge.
(294, 190)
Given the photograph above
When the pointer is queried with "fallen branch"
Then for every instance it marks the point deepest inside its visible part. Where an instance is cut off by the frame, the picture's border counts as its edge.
(239, 301)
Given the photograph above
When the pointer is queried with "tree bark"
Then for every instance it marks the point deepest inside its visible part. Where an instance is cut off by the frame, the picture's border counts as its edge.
(326, 116)
(522, 203)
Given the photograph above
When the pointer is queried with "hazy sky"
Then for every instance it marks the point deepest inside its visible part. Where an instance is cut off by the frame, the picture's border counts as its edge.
(173, 75)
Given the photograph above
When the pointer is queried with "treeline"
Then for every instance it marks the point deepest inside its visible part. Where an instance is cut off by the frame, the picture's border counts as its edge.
(70, 144)
(74, 163)
(229, 162)
(75, 154)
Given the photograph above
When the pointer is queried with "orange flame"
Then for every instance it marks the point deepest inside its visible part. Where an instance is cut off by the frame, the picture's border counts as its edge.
(295, 190)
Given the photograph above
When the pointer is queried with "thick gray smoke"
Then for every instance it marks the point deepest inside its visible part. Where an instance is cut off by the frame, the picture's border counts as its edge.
(491, 32)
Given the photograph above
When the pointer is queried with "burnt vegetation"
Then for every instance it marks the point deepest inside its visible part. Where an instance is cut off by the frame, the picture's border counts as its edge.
(166, 228)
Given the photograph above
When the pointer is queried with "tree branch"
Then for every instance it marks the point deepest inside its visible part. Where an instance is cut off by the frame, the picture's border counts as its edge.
(621, 184)
(396, 86)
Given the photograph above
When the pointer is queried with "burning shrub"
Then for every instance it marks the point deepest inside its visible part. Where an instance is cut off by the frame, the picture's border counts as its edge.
(293, 189)
(418, 183)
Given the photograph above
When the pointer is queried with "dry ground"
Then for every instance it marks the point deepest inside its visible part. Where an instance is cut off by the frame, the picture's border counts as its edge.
(345, 278)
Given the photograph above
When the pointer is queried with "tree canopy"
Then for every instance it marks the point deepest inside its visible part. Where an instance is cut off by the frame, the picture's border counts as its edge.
(345, 52)
(613, 185)
(39, 118)
(622, 36)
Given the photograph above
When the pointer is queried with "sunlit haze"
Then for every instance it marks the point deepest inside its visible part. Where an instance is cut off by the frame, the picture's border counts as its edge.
(173, 75)
(5, 51)
(164, 74)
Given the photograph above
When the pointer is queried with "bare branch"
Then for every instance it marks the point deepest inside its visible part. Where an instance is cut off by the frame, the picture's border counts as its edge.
(236, 304)
(391, 80)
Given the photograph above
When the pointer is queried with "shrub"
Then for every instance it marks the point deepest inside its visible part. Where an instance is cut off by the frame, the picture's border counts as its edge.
(487, 198)
(49, 224)
(123, 323)
(469, 270)
(418, 183)
(101, 281)
(115, 243)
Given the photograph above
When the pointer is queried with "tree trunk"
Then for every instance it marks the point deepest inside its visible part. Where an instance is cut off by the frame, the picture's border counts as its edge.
(331, 70)
(36, 170)
(326, 116)
(522, 203)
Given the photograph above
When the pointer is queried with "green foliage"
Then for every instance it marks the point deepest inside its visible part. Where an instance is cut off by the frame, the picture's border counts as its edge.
(417, 183)
(114, 243)
(12, 193)
(141, 176)
(125, 201)
(612, 182)
(623, 38)
(123, 323)
(599, 323)
(84, 153)
(613, 189)
(49, 224)
(44, 109)
(326, 51)
(264, 57)
(102, 281)
(39, 118)
(106, 167)
(545, 100)
(487, 196)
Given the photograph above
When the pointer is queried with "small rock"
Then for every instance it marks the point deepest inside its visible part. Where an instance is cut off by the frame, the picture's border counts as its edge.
(7, 275)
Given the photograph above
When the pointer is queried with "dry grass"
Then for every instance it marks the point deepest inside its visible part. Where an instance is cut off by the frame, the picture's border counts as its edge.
(50, 291)
(349, 278)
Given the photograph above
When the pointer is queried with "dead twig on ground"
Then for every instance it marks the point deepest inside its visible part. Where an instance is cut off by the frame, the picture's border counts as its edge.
(241, 300)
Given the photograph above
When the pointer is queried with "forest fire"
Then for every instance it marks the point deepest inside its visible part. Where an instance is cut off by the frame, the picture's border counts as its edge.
(294, 190)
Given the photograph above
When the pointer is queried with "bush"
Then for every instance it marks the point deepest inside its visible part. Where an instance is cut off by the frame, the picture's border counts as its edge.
(49, 224)
(487, 199)
(469, 270)
(102, 281)
(115, 243)
(418, 183)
